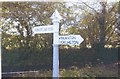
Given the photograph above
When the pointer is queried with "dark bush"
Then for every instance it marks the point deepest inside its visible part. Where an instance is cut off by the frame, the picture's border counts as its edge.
(29, 59)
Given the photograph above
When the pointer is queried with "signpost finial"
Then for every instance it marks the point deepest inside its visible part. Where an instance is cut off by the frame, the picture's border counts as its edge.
(56, 16)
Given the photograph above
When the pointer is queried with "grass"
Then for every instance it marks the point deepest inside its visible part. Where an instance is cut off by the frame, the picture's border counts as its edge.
(87, 71)
(99, 71)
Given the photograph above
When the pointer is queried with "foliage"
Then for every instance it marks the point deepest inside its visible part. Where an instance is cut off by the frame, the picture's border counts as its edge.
(18, 60)
(118, 20)
(78, 18)
(22, 16)
(97, 26)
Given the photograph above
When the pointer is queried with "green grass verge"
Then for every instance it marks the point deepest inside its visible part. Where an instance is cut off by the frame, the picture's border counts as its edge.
(88, 71)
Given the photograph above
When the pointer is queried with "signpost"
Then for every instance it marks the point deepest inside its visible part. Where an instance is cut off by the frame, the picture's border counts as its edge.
(57, 40)
(43, 29)
(70, 40)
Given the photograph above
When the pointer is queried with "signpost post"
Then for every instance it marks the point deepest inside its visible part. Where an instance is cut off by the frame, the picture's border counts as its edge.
(57, 40)
(56, 20)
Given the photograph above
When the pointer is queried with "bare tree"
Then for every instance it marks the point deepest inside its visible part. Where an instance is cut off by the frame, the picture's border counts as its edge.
(118, 20)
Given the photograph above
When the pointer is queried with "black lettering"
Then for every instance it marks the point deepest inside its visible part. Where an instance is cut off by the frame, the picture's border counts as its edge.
(75, 42)
(69, 42)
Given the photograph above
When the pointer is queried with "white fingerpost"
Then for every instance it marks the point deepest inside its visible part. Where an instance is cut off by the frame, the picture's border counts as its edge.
(56, 20)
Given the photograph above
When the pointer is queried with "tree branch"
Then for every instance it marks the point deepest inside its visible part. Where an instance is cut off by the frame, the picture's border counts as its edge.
(90, 7)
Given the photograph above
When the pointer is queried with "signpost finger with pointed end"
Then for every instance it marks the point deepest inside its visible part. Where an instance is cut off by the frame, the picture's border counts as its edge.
(70, 40)
(43, 29)
(57, 40)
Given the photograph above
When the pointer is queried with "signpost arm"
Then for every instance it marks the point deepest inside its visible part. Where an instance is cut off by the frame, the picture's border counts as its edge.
(56, 20)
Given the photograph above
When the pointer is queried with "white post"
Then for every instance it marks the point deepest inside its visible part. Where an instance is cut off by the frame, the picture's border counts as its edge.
(56, 20)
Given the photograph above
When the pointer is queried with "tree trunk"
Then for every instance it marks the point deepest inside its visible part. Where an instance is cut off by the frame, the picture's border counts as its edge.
(118, 21)
(101, 20)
